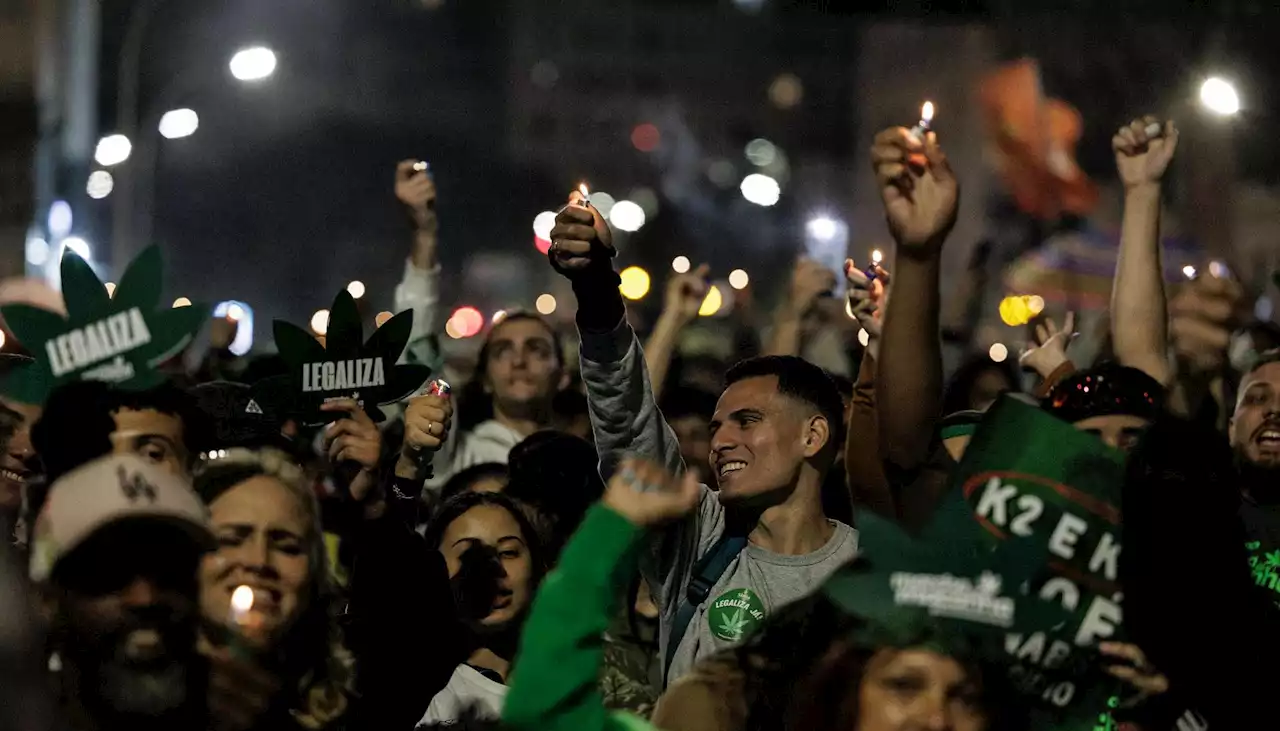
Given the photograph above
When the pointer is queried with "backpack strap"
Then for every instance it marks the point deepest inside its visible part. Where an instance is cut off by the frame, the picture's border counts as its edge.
(706, 572)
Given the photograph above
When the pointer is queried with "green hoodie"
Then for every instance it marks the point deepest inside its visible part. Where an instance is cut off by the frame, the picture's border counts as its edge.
(555, 683)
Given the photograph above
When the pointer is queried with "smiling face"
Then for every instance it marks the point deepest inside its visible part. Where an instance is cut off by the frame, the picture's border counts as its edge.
(523, 368)
(1255, 426)
(492, 526)
(153, 435)
(905, 690)
(19, 464)
(264, 533)
(761, 440)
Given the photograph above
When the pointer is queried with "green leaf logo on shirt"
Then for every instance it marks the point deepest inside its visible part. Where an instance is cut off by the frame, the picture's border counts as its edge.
(345, 366)
(121, 337)
(734, 614)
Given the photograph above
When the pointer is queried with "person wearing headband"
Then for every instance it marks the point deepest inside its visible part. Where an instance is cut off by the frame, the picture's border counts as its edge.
(1113, 402)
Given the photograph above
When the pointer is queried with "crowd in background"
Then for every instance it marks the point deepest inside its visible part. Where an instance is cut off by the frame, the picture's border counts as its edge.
(591, 529)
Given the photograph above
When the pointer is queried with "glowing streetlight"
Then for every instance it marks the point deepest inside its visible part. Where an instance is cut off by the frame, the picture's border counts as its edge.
(99, 185)
(355, 288)
(739, 279)
(253, 64)
(1219, 96)
(112, 150)
(545, 304)
(760, 189)
(178, 123)
(680, 264)
(320, 322)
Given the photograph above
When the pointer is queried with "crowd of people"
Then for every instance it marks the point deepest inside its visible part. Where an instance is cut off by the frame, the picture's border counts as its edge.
(620, 536)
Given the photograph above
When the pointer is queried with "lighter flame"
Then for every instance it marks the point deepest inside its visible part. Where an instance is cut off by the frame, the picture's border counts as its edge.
(926, 112)
(582, 188)
(877, 256)
(242, 599)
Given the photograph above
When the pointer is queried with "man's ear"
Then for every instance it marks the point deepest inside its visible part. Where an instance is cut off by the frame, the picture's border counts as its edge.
(817, 435)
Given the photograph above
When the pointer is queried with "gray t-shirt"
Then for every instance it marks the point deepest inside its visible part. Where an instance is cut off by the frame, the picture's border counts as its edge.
(626, 421)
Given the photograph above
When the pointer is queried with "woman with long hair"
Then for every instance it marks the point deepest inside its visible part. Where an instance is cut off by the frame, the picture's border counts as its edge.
(267, 522)
(495, 559)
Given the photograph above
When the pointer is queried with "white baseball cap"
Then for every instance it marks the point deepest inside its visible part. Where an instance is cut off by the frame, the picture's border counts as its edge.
(108, 490)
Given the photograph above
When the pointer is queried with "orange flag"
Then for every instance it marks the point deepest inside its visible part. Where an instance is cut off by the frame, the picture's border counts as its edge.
(1034, 140)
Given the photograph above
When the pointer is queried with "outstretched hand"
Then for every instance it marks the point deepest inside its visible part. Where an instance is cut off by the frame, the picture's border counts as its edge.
(920, 193)
(645, 494)
(1049, 350)
(866, 300)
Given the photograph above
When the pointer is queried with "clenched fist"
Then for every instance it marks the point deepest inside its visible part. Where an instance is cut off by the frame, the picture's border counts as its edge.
(426, 427)
(580, 238)
(1143, 150)
(416, 191)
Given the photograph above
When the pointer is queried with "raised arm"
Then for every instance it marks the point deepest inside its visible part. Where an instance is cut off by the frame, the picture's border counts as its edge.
(624, 413)
(1139, 308)
(419, 287)
(685, 293)
(555, 683)
(864, 470)
(809, 280)
(921, 197)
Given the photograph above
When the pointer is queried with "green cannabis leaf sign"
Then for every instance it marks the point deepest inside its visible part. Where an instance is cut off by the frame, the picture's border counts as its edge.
(346, 366)
(120, 339)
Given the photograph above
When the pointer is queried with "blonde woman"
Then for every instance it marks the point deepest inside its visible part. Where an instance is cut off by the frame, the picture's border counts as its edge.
(267, 522)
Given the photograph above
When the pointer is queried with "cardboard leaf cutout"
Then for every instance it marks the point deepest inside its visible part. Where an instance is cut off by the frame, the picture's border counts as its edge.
(1027, 476)
(346, 366)
(120, 340)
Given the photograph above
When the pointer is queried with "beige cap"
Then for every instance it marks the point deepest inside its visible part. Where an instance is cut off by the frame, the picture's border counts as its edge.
(108, 490)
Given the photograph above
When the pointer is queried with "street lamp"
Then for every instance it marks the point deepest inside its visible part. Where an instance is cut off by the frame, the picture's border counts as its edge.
(178, 123)
(1219, 96)
(253, 64)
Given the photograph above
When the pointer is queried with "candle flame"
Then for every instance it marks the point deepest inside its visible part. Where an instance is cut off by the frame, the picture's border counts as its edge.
(926, 112)
(877, 256)
(242, 599)
(582, 188)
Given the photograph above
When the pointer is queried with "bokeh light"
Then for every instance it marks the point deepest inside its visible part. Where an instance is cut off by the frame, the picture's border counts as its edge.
(99, 185)
(761, 190)
(235, 311)
(760, 152)
(1015, 311)
(635, 283)
(320, 322)
(545, 304)
(680, 264)
(498, 317)
(786, 91)
(253, 64)
(1189, 272)
(712, 303)
(998, 352)
(37, 251)
(739, 279)
(112, 150)
(79, 246)
(1035, 305)
(1219, 96)
(381, 318)
(111, 289)
(184, 302)
(543, 223)
(645, 137)
(178, 123)
(466, 322)
(355, 288)
(627, 216)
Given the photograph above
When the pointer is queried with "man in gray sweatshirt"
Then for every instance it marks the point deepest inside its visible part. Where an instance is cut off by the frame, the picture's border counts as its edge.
(775, 434)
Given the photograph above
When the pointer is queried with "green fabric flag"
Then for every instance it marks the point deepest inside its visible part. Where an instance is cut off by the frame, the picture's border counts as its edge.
(120, 338)
(1027, 476)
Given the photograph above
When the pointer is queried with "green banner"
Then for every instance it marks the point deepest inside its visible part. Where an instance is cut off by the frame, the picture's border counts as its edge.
(1027, 476)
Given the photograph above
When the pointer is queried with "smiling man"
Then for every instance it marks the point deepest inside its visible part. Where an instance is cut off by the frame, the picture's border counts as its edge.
(762, 541)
